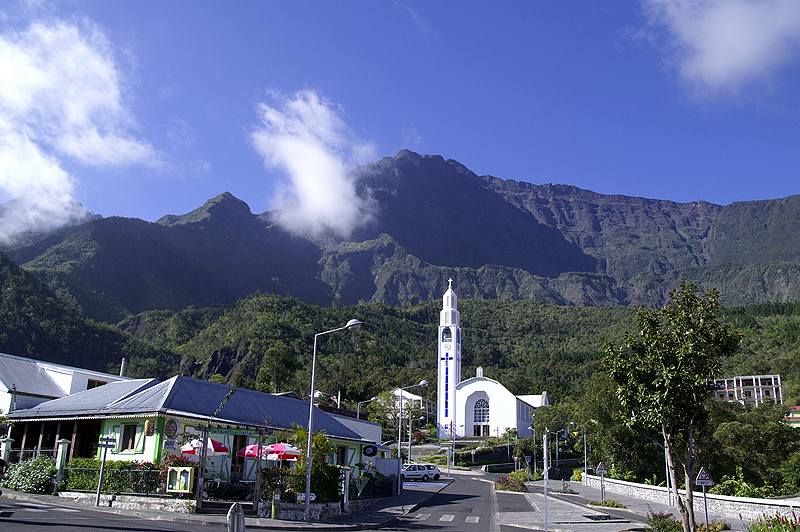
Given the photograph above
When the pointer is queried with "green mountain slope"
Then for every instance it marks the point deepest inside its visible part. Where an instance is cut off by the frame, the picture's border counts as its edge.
(435, 220)
(36, 324)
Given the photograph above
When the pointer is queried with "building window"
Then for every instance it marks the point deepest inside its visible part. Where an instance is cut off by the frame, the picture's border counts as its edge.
(128, 442)
(447, 335)
(94, 384)
(480, 418)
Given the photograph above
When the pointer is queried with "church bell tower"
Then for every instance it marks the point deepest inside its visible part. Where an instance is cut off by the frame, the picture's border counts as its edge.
(449, 364)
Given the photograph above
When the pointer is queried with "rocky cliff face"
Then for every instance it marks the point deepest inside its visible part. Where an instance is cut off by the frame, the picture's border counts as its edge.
(436, 219)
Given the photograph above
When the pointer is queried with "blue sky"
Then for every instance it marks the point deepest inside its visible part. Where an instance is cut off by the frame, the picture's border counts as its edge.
(147, 108)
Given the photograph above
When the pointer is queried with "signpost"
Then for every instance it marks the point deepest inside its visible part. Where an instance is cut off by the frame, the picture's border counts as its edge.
(528, 462)
(704, 479)
(105, 444)
(546, 476)
(602, 471)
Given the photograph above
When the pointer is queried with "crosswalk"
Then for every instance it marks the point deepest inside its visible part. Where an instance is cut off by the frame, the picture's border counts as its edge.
(446, 518)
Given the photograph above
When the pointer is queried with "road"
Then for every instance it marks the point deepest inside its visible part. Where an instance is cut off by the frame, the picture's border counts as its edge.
(33, 516)
(466, 504)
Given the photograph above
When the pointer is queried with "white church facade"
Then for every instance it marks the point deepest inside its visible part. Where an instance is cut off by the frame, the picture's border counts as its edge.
(478, 406)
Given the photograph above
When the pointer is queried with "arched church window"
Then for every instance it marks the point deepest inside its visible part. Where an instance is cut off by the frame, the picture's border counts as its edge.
(447, 335)
(481, 413)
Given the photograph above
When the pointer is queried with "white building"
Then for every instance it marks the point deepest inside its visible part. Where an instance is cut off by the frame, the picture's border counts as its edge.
(478, 406)
(25, 382)
(750, 390)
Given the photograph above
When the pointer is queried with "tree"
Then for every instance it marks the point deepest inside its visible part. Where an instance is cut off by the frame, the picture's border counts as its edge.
(663, 377)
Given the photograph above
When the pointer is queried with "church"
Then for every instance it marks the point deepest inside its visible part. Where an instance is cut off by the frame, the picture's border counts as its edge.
(478, 406)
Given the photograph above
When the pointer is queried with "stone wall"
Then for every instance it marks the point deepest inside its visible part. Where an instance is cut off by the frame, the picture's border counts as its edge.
(132, 502)
(722, 505)
(316, 511)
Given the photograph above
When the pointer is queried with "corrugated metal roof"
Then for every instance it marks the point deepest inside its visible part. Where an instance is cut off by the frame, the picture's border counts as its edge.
(187, 396)
(96, 400)
(27, 376)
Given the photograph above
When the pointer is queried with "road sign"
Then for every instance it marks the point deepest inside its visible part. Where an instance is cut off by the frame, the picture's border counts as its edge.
(601, 469)
(703, 478)
(516, 458)
(527, 458)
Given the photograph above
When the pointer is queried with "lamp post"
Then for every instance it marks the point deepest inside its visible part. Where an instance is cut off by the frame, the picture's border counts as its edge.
(422, 383)
(585, 480)
(409, 433)
(352, 325)
(358, 406)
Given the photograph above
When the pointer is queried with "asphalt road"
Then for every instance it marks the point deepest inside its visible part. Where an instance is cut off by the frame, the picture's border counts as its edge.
(466, 504)
(31, 516)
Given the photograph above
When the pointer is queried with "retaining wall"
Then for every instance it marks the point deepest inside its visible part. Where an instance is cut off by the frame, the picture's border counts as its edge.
(132, 502)
(721, 505)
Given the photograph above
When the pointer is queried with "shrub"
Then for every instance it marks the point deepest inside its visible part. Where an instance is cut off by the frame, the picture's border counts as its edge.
(663, 522)
(714, 526)
(608, 503)
(120, 476)
(509, 484)
(577, 475)
(520, 475)
(775, 523)
(31, 476)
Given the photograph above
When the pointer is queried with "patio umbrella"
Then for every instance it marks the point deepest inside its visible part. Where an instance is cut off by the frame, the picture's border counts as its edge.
(213, 448)
(282, 451)
(251, 451)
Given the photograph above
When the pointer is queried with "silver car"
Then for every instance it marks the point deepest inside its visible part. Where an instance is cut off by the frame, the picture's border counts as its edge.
(420, 472)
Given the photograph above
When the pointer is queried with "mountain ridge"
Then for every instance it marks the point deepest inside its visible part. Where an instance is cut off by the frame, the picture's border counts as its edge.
(496, 238)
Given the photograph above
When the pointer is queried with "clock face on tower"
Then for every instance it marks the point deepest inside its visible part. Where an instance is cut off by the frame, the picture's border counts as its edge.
(447, 347)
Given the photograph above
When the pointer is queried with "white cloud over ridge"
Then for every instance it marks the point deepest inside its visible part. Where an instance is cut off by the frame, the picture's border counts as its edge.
(723, 46)
(304, 136)
(61, 99)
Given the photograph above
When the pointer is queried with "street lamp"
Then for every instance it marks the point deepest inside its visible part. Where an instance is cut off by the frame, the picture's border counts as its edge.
(423, 383)
(352, 325)
(409, 431)
(358, 406)
(585, 480)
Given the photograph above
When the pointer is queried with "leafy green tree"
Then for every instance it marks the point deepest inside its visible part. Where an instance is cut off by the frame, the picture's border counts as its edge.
(770, 441)
(277, 370)
(662, 376)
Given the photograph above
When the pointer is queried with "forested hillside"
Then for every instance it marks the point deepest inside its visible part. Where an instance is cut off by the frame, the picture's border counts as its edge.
(36, 324)
(266, 342)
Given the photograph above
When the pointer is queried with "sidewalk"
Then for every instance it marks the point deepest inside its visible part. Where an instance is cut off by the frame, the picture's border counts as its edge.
(572, 512)
(380, 514)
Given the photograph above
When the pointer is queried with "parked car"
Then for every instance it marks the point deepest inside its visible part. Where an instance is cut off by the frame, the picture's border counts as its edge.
(420, 472)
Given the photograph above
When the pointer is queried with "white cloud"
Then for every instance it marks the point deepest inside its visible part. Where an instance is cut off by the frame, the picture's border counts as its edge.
(722, 46)
(424, 27)
(61, 99)
(304, 136)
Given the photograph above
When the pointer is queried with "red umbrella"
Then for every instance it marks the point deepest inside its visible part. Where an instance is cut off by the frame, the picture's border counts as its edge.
(276, 451)
(213, 448)
(282, 451)
(251, 451)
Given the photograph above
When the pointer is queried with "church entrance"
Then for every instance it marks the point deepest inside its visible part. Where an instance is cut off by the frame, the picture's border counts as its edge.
(480, 418)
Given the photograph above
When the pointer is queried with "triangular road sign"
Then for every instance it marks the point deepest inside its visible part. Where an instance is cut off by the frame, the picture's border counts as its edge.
(703, 478)
(601, 469)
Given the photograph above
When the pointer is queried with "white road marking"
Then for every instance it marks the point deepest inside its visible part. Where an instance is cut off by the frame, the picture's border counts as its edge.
(447, 517)
(473, 518)
(422, 517)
